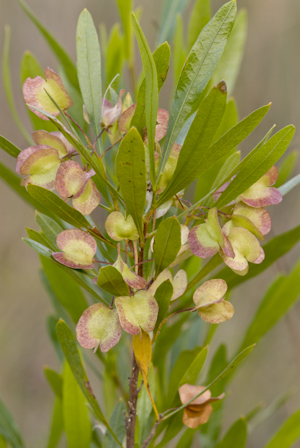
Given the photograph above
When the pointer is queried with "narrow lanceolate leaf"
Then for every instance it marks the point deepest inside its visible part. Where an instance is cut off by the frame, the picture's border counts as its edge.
(226, 139)
(225, 373)
(229, 65)
(272, 307)
(8, 87)
(9, 429)
(55, 381)
(131, 174)
(89, 69)
(200, 65)
(60, 53)
(112, 281)
(286, 168)
(196, 147)
(125, 8)
(179, 50)
(258, 165)
(186, 370)
(170, 10)
(288, 434)
(66, 290)
(68, 345)
(151, 93)
(163, 297)
(9, 147)
(75, 412)
(49, 227)
(56, 427)
(161, 58)
(116, 422)
(38, 247)
(236, 437)
(289, 185)
(167, 243)
(30, 68)
(58, 206)
(199, 17)
(274, 249)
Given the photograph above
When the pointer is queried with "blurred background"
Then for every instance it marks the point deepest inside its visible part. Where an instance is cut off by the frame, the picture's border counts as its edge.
(270, 72)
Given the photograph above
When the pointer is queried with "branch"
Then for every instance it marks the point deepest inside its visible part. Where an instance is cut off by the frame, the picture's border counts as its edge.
(133, 395)
(151, 435)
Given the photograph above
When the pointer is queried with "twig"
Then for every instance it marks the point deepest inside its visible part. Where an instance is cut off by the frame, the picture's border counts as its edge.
(142, 262)
(79, 127)
(133, 395)
(151, 435)
(103, 154)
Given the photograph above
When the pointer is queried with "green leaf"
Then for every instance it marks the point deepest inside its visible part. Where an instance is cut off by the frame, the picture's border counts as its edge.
(38, 247)
(125, 8)
(289, 185)
(288, 434)
(59, 207)
(56, 424)
(49, 227)
(274, 249)
(89, 69)
(167, 242)
(151, 94)
(286, 168)
(55, 380)
(186, 370)
(196, 148)
(163, 297)
(9, 147)
(179, 51)
(8, 87)
(9, 429)
(228, 166)
(115, 54)
(75, 412)
(30, 68)
(230, 119)
(191, 374)
(39, 238)
(230, 62)
(226, 372)
(236, 437)
(131, 174)
(68, 345)
(161, 58)
(200, 65)
(186, 439)
(171, 8)
(60, 53)
(259, 414)
(116, 422)
(2, 442)
(51, 322)
(112, 281)
(233, 172)
(257, 165)
(200, 16)
(210, 432)
(273, 307)
(66, 290)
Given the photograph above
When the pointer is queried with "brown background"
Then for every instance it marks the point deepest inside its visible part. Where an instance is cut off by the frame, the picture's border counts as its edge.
(270, 72)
